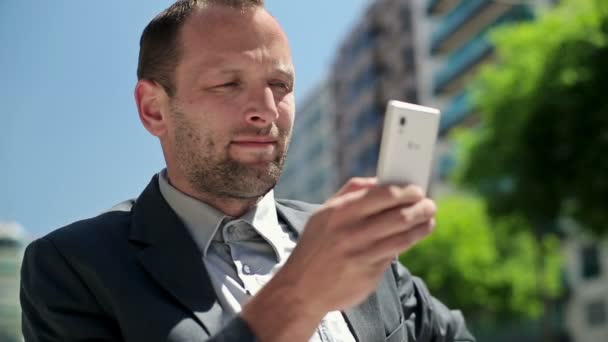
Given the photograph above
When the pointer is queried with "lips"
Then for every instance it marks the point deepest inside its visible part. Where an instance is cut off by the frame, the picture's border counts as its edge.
(254, 150)
(255, 140)
(254, 144)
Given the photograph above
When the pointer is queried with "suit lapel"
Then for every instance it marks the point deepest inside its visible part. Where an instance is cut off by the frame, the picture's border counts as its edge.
(365, 320)
(171, 257)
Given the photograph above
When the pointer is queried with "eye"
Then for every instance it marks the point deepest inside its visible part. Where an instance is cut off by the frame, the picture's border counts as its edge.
(225, 87)
(283, 86)
(228, 85)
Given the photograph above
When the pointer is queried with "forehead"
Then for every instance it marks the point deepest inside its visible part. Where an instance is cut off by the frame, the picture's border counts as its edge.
(214, 32)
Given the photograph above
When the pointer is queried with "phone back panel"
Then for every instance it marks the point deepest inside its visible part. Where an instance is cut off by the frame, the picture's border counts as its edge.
(408, 141)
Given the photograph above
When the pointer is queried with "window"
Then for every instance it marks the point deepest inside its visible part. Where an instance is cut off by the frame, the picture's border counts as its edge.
(366, 120)
(365, 165)
(447, 163)
(366, 79)
(590, 256)
(596, 313)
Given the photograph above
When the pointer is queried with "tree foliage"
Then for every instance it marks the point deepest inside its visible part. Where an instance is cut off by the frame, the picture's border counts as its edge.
(484, 268)
(541, 149)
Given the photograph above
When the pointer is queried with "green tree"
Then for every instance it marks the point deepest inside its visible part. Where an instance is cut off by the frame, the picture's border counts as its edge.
(540, 151)
(487, 269)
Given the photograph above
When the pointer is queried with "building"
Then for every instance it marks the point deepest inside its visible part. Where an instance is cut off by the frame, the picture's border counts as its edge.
(11, 253)
(309, 172)
(374, 64)
(452, 42)
(587, 277)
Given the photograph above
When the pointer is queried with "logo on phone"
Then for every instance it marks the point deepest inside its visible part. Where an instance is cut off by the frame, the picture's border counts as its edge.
(412, 145)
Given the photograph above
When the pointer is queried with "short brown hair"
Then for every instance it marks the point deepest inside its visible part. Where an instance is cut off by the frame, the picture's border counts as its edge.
(159, 46)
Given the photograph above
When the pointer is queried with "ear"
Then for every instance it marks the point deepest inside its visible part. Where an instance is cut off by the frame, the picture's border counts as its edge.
(151, 98)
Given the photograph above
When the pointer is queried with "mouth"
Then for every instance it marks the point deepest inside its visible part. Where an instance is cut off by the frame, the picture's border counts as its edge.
(255, 147)
(255, 142)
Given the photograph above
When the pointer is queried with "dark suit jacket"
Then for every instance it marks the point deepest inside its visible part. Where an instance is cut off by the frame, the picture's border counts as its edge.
(135, 274)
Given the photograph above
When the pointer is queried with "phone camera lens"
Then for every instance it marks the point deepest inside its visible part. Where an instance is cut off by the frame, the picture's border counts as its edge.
(402, 121)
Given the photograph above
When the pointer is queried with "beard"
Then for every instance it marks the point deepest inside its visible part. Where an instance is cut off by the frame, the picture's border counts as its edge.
(217, 173)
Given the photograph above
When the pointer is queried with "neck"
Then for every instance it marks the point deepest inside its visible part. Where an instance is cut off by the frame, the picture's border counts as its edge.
(230, 206)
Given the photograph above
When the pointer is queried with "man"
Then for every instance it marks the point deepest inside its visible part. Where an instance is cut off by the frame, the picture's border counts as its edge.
(202, 254)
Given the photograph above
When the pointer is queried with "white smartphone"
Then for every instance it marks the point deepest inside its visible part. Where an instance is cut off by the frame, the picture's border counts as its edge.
(408, 142)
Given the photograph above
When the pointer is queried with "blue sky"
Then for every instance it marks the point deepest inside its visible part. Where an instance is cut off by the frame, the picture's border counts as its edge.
(71, 144)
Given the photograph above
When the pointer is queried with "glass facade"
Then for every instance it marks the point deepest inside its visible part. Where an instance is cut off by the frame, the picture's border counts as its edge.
(375, 63)
(457, 111)
(454, 20)
(475, 49)
(459, 44)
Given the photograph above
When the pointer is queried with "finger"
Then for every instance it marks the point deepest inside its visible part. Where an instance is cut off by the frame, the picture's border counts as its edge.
(358, 205)
(398, 243)
(357, 183)
(393, 221)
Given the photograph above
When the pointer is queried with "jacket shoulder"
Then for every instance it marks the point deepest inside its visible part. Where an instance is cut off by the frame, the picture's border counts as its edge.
(299, 205)
(109, 225)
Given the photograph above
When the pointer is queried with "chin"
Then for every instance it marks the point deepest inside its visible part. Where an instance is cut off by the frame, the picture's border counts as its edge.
(253, 192)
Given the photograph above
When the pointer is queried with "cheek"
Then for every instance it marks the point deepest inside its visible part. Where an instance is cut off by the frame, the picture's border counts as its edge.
(286, 110)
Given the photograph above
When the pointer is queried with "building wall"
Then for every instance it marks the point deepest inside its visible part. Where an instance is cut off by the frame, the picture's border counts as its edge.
(374, 64)
(446, 66)
(586, 260)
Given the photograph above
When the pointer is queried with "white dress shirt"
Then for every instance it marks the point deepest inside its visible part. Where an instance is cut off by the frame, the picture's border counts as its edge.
(242, 254)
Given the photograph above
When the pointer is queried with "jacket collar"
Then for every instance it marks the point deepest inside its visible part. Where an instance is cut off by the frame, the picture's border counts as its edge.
(171, 257)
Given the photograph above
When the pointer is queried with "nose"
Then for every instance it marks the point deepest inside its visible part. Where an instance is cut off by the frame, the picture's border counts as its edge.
(261, 109)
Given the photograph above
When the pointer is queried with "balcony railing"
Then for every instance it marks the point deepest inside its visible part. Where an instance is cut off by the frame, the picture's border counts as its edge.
(475, 50)
(437, 7)
(461, 61)
(455, 19)
(456, 112)
(432, 5)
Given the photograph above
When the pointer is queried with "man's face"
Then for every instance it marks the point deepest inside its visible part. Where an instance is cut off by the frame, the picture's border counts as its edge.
(231, 117)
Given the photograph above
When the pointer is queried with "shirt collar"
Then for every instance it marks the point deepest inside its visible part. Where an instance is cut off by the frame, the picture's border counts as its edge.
(203, 220)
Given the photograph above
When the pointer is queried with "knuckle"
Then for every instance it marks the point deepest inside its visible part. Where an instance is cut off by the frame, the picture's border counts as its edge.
(392, 191)
(404, 216)
(348, 247)
(415, 192)
(336, 203)
(429, 208)
(328, 207)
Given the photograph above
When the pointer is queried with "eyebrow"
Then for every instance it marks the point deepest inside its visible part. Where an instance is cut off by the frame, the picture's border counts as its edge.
(286, 70)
